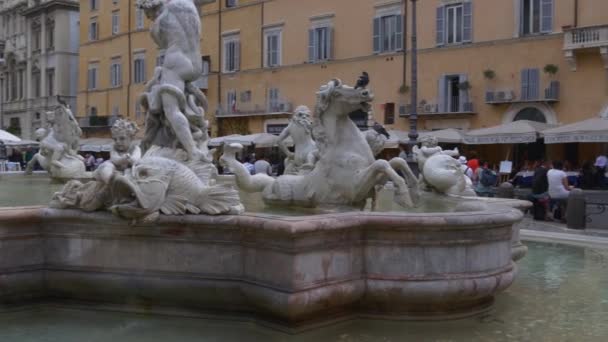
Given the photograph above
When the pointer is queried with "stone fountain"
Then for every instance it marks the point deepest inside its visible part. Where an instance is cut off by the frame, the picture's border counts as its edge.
(154, 231)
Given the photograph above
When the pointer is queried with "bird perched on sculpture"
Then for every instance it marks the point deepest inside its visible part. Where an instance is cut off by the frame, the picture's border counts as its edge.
(380, 129)
(363, 81)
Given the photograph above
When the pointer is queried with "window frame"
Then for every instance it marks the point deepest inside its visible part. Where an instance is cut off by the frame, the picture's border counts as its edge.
(92, 82)
(116, 72)
(268, 33)
(115, 22)
(235, 60)
(93, 33)
(139, 68)
(395, 40)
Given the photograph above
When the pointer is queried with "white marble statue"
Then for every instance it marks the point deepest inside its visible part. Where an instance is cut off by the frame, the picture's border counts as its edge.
(174, 176)
(175, 119)
(125, 151)
(303, 159)
(58, 153)
(346, 172)
(439, 170)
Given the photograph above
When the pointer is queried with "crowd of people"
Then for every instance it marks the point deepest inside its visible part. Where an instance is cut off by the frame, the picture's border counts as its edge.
(92, 162)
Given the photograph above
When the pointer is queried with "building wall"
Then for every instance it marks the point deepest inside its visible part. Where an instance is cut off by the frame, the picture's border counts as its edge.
(496, 45)
(58, 17)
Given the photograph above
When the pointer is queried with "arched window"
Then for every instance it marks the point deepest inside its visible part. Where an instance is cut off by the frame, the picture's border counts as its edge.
(531, 114)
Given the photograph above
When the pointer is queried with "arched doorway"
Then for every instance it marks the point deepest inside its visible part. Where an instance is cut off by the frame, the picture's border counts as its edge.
(531, 114)
(532, 151)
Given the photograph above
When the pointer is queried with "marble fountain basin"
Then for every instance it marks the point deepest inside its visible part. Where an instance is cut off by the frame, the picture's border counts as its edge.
(293, 271)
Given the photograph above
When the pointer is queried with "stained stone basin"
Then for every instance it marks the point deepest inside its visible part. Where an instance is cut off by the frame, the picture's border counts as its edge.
(291, 271)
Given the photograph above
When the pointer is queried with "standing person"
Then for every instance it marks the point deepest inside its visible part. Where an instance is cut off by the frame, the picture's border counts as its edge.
(473, 162)
(262, 166)
(600, 171)
(559, 190)
(487, 178)
(249, 166)
(465, 168)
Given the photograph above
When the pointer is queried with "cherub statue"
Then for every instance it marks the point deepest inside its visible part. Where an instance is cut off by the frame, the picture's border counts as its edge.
(429, 146)
(125, 152)
(300, 130)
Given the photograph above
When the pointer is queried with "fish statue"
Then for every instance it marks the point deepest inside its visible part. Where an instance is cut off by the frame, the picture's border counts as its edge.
(157, 185)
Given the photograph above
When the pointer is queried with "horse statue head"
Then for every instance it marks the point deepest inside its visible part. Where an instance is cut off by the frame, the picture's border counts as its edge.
(338, 99)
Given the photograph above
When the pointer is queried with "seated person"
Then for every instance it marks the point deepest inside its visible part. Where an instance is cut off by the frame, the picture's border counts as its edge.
(559, 189)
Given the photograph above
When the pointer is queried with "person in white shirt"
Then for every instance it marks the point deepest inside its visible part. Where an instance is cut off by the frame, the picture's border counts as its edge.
(262, 166)
(558, 182)
(465, 168)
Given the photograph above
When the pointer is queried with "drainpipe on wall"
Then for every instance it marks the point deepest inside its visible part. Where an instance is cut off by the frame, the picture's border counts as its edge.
(129, 59)
(219, 67)
(404, 81)
(575, 13)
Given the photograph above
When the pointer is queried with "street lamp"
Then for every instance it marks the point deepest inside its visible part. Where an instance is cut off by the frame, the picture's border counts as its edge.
(413, 134)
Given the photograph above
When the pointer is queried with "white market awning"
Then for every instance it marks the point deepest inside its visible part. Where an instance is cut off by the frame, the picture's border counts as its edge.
(96, 145)
(590, 130)
(259, 140)
(446, 136)
(8, 137)
(516, 132)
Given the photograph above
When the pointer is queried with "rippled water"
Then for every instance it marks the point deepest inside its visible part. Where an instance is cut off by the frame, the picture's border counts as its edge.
(561, 294)
(21, 190)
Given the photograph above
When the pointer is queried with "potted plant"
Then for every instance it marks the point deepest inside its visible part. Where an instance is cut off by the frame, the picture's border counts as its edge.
(489, 74)
(465, 85)
(551, 69)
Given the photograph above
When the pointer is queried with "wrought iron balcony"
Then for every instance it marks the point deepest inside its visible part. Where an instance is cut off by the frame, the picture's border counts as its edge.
(246, 109)
(506, 96)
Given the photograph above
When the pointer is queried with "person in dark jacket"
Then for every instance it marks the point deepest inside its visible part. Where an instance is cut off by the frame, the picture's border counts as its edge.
(540, 183)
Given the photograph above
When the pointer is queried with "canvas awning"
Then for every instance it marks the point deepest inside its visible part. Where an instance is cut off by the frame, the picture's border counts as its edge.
(516, 132)
(8, 137)
(260, 140)
(96, 145)
(22, 143)
(590, 130)
(446, 136)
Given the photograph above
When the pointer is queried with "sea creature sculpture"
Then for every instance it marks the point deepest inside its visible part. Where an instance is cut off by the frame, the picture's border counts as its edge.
(346, 172)
(303, 158)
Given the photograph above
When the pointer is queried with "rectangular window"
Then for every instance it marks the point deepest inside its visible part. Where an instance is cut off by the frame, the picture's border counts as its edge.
(272, 48)
(36, 84)
(231, 3)
(115, 22)
(453, 94)
(92, 76)
(231, 54)
(273, 100)
(139, 19)
(22, 91)
(50, 37)
(536, 16)
(320, 44)
(50, 82)
(36, 39)
(93, 5)
(530, 84)
(93, 29)
(454, 24)
(231, 101)
(389, 113)
(139, 68)
(116, 72)
(388, 33)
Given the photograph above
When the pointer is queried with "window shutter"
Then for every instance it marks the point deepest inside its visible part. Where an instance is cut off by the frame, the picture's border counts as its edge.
(442, 95)
(533, 84)
(376, 37)
(525, 85)
(311, 46)
(440, 25)
(237, 55)
(226, 56)
(329, 42)
(463, 95)
(519, 14)
(399, 32)
(546, 25)
(467, 22)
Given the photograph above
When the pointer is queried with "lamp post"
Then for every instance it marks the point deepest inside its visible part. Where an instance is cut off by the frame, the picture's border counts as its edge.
(413, 134)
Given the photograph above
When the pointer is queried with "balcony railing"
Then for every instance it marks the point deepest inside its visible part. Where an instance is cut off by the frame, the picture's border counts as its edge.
(550, 94)
(247, 109)
(586, 37)
(430, 110)
(97, 121)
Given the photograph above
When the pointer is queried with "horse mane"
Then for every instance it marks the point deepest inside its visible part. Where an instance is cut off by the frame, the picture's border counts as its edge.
(324, 96)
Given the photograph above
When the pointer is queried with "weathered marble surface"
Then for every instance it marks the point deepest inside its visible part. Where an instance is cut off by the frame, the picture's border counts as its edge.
(290, 271)
(59, 146)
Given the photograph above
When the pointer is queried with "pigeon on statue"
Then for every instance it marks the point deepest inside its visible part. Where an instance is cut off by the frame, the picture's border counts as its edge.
(363, 81)
(380, 129)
